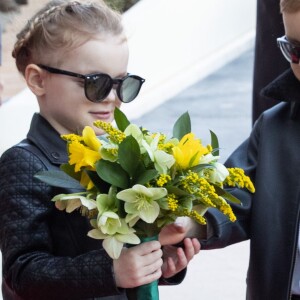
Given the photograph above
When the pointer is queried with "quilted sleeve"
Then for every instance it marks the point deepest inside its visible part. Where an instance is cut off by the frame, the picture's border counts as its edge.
(30, 269)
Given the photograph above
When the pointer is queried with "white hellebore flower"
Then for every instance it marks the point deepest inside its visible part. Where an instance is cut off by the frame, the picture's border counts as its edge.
(219, 173)
(208, 158)
(134, 131)
(70, 202)
(162, 160)
(109, 222)
(141, 202)
(113, 244)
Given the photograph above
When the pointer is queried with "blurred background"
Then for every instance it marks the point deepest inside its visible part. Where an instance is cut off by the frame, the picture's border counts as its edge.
(196, 56)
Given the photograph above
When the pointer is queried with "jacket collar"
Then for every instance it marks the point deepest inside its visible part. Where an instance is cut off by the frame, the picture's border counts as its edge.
(48, 140)
(285, 87)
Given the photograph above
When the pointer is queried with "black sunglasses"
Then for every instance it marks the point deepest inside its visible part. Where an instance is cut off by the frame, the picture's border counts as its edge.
(97, 86)
(289, 50)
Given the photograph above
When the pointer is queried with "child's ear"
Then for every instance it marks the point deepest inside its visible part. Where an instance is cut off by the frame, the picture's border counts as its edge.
(35, 77)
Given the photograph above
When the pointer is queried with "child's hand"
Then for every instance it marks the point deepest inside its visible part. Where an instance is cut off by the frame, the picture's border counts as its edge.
(138, 265)
(183, 227)
(176, 259)
(175, 233)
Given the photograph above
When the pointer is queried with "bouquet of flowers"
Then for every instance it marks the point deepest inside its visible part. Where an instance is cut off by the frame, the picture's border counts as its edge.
(136, 181)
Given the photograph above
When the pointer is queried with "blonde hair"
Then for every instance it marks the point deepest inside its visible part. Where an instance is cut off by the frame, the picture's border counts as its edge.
(289, 6)
(63, 24)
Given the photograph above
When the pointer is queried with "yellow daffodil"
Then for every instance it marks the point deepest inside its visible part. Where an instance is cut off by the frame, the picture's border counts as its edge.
(188, 152)
(90, 138)
(82, 156)
(86, 181)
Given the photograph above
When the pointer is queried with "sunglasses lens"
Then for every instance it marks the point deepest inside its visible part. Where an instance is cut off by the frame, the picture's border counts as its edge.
(97, 87)
(290, 52)
(130, 88)
(286, 51)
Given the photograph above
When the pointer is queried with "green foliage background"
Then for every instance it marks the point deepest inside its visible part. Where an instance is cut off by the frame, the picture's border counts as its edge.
(121, 5)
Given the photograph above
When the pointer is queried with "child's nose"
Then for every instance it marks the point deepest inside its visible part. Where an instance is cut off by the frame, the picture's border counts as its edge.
(112, 96)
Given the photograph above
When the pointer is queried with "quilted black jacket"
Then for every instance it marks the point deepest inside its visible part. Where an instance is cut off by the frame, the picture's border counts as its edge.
(46, 252)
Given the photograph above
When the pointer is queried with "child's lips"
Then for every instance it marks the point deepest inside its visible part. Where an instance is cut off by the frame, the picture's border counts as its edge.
(102, 115)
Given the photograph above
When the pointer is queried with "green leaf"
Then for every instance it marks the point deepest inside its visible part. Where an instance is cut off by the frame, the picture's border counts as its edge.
(112, 173)
(177, 191)
(182, 126)
(121, 119)
(226, 195)
(58, 179)
(163, 203)
(120, 205)
(101, 185)
(70, 170)
(129, 155)
(146, 230)
(146, 176)
(193, 158)
(187, 203)
(214, 143)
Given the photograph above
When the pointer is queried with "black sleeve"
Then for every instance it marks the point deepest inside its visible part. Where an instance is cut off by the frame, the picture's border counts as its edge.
(31, 270)
(220, 231)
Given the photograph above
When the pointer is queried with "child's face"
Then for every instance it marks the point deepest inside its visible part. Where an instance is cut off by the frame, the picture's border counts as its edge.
(64, 103)
(292, 31)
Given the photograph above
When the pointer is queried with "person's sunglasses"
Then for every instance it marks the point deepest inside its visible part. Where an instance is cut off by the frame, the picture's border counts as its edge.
(97, 86)
(289, 50)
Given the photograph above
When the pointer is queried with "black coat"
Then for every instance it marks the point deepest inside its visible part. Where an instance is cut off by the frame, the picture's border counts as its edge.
(270, 218)
(46, 252)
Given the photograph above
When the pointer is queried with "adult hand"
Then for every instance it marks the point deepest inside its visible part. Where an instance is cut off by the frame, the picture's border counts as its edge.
(138, 265)
(177, 259)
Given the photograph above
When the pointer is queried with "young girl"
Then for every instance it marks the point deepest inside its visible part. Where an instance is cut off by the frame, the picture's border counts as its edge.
(73, 55)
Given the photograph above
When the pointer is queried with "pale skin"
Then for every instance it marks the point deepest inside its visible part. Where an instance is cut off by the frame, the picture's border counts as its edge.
(292, 31)
(63, 103)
